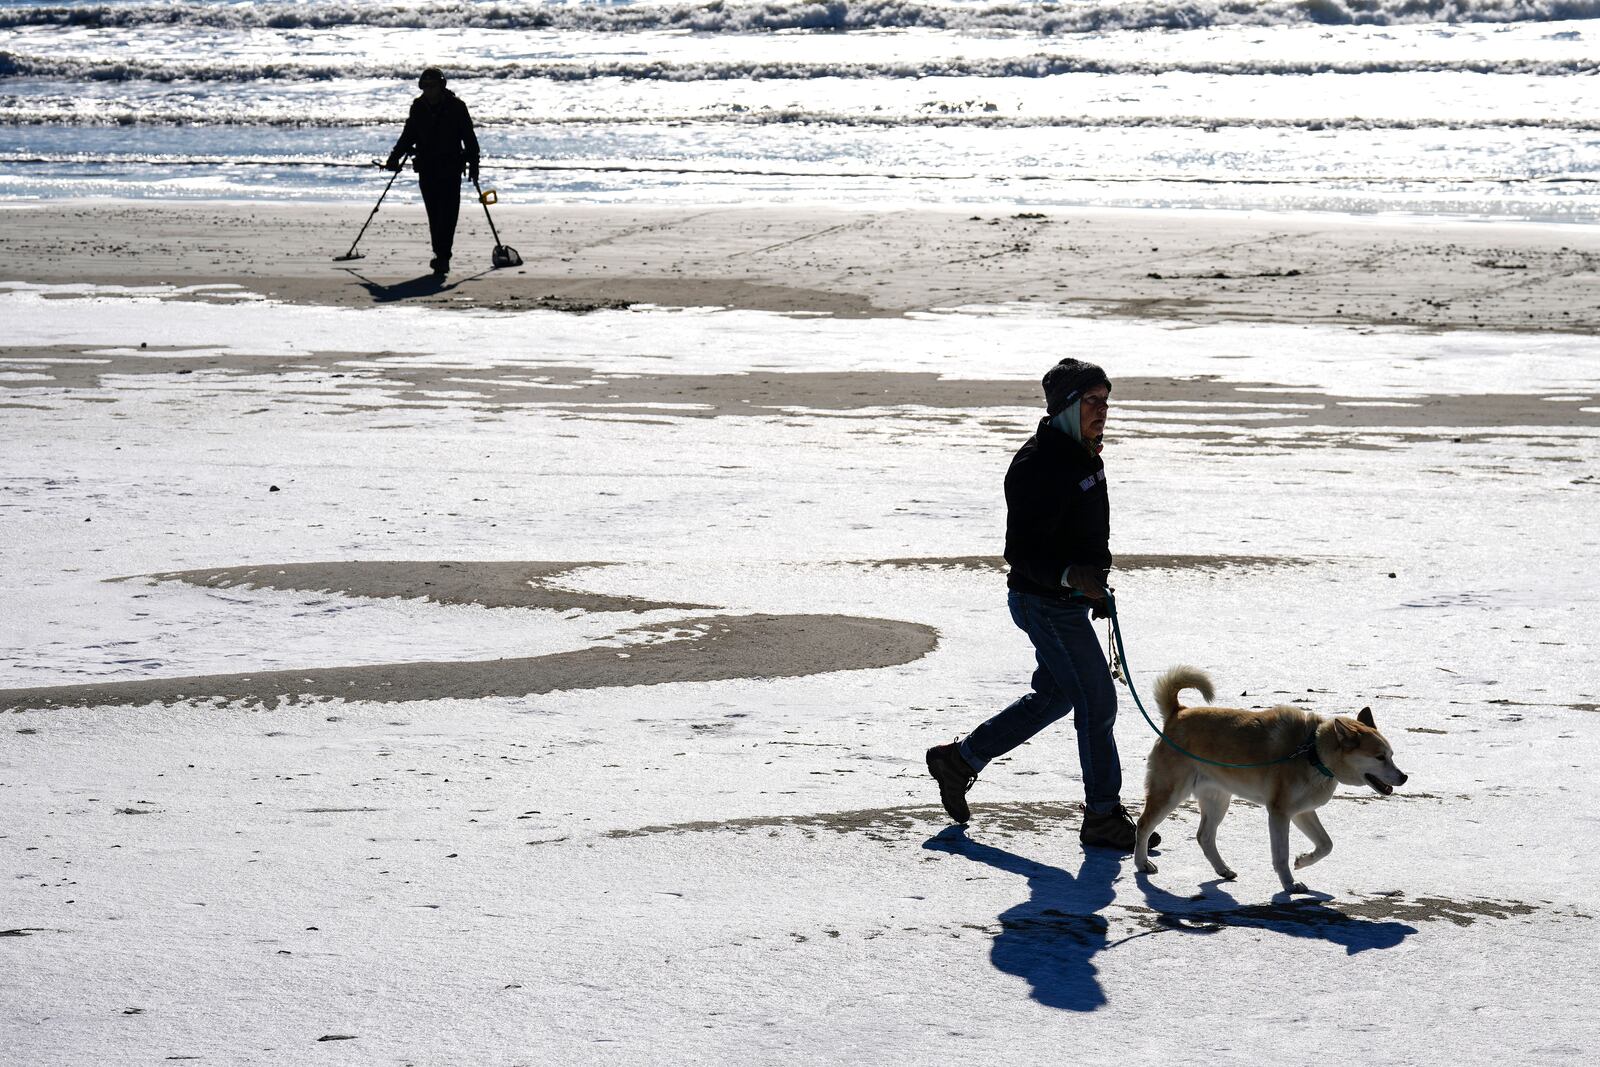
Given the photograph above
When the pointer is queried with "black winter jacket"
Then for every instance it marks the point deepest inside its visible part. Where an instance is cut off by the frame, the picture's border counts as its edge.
(441, 138)
(1058, 513)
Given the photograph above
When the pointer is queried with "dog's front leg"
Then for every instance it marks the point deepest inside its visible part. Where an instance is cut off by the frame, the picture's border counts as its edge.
(1141, 844)
(1321, 843)
(1278, 828)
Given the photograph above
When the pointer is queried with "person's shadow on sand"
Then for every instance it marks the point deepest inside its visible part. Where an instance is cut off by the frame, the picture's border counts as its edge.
(1215, 910)
(410, 289)
(1050, 939)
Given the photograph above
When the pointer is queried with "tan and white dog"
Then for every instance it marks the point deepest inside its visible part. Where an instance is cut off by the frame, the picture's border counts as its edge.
(1327, 752)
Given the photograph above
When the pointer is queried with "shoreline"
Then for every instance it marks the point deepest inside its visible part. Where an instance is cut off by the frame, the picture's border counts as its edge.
(1203, 266)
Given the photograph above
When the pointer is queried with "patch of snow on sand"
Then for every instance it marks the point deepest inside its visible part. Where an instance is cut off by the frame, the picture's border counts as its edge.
(754, 870)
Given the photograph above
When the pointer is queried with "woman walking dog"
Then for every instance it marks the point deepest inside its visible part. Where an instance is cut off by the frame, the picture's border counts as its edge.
(1058, 532)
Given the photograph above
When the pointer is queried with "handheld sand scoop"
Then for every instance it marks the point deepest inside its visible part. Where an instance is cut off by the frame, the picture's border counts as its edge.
(353, 254)
(504, 255)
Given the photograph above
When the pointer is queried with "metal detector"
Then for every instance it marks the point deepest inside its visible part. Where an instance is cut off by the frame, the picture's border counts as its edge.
(353, 254)
(503, 255)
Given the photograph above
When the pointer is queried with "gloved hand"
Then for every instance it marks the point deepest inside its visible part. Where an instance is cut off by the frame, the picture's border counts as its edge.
(1090, 581)
(393, 164)
(472, 172)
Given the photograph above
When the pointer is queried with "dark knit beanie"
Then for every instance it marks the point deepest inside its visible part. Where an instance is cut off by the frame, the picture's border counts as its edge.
(1067, 380)
(432, 74)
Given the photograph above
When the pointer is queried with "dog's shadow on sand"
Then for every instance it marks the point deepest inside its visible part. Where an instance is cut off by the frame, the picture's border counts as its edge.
(1052, 938)
(1214, 910)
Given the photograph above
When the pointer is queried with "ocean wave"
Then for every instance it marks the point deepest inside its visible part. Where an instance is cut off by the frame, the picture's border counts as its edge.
(502, 166)
(1039, 65)
(16, 112)
(766, 16)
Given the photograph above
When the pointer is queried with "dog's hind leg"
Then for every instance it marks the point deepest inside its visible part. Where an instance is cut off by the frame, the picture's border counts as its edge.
(1321, 843)
(1278, 829)
(1163, 794)
(1214, 803)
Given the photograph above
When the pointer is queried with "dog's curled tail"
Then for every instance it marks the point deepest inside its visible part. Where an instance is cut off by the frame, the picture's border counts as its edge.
(1179, 678)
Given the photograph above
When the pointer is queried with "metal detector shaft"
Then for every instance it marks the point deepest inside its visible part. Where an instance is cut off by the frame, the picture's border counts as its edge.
(486, 214)
(352, 253)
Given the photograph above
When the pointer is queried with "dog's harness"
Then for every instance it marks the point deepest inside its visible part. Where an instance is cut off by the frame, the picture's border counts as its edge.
(1119, 671)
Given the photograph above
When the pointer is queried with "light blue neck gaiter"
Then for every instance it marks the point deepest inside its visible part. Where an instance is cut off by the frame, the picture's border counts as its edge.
(1066, 420)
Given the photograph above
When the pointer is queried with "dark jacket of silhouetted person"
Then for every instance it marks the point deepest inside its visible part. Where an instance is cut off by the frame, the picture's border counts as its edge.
(439, 137)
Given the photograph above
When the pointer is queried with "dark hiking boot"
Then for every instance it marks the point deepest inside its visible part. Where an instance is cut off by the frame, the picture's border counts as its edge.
(440, 267)
(955, 776)
(1112, 829)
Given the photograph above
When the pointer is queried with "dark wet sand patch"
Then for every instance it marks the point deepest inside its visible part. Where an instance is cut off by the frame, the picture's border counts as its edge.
(1507, 702)
(1433, 909)
(883, 824)
(491, 584)
(405, 379)
(886, 824)
(714, 648)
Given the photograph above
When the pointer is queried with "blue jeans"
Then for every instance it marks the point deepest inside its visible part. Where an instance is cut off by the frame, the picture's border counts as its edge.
(1072, 676)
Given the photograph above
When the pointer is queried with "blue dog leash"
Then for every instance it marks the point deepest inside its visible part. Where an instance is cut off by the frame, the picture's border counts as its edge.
(1121, 672)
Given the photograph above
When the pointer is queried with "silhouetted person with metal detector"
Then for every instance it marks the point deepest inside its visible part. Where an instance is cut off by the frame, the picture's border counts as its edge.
(439, 137)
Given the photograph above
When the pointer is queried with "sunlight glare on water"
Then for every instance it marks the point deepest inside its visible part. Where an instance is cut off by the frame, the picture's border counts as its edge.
(1476, 108)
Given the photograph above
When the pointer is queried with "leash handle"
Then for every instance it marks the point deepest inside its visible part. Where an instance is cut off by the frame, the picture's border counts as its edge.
(1117, 672)
(1121, 672)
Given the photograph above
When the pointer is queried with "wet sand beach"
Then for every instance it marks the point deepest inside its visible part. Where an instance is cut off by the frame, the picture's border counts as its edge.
(1205, 266)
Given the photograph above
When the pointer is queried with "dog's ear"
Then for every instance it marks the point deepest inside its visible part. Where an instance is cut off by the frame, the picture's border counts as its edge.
(1364, 717)
(1348, 739)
